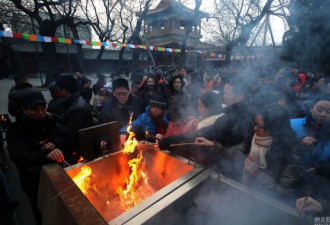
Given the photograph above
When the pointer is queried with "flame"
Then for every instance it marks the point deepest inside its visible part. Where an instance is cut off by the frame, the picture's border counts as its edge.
(131, 141)
(130, 196)
(82, 179)
(132, 192)
(80, 160)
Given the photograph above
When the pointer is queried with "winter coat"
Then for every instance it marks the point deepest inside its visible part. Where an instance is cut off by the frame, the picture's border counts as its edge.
(321, 151)
(77, 115)
(55, 106)
(24, 148)
(81, 80)
(230, 129)
(87, 93)
(144, 123)
(113, 111)
(177, 98)
(283, 172)
(188, 126)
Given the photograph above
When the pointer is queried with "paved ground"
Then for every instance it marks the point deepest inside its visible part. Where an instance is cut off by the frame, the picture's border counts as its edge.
(23, 214)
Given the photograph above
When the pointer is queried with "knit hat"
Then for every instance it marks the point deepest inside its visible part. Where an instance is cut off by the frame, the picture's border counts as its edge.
(158, 101)
(31, 99)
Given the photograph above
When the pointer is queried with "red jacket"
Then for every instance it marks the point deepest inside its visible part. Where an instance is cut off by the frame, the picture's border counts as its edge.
(175, 130)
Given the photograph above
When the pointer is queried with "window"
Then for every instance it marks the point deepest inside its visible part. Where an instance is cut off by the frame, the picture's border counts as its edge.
(162, 26)
(182, 25)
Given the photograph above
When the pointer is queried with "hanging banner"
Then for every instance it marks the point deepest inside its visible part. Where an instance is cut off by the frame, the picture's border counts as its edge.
(37, 38)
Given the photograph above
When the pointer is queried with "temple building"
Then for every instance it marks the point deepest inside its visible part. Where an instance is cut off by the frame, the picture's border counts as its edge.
(167, 24)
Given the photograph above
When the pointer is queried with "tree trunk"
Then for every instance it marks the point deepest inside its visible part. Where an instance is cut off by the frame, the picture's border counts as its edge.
(48, 28)
(52, 68)
(183, 59)
(80, 52)
(120, 64)
(98, 59)
(229, 49)
(8, 53)
(135, 62)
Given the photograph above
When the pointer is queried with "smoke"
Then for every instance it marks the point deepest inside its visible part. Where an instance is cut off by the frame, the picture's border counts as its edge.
(221, 201)
(218, 202)
(307, 41)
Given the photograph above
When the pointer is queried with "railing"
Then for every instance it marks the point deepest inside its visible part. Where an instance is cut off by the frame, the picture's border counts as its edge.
(164, 32)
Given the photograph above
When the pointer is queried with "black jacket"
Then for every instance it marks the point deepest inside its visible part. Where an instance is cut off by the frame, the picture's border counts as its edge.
(231, 129)
(24, 148)
(113, 111)
(77, 115)
(177, 98)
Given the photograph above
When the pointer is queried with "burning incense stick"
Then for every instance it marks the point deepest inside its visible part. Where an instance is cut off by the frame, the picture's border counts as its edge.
(182, 144)
(68, 188)
(307, 194)
(69, 165)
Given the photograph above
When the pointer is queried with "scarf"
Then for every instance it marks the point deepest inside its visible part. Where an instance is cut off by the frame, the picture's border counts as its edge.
(160, 124)
(260, 147)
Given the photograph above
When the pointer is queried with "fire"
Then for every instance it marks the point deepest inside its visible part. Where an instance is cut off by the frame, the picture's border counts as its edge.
(80, 160)
(82, 179)
(130, 196)
(132, 192)
(131, 141)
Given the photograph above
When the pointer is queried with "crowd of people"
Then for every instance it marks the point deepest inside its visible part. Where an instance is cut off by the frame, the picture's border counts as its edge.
(268, 130)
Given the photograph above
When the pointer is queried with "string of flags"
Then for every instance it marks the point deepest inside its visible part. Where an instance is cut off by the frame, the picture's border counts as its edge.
(38, 38)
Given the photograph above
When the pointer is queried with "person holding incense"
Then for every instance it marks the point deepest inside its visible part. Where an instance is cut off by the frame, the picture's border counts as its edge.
(34, 141)
(272, 163)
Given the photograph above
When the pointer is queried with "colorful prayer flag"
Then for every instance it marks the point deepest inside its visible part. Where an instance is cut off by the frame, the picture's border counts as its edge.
(40, 38)
(61, 40)
(33, 37)
(54, 39)
(8, 34)
(25, 36)
(17, 35)
(47, 39)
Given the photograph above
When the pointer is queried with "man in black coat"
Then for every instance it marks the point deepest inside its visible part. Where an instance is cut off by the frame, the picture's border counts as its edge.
(16, 94)
(121, 105)
(77, 115)
(34, 141)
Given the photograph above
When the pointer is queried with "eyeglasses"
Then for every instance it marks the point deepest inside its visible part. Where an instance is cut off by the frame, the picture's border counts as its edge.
(258, 125)
(121, 94)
